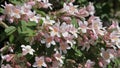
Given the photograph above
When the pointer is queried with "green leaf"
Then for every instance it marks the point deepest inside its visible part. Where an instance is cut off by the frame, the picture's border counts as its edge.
(30, 32)
(40, 12)
(27, 31)
(1, 10)
(116, 61)
(41, 22)
(109, 66)
(74, 22)
(11, 38)
(23, 23)
(25, 28)
(19, 30)
(77, 51)
(31, 24)
(10, 30)
(16, 2)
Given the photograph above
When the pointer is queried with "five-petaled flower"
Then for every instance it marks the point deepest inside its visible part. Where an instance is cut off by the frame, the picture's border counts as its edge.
(27, 49)
(39, 62)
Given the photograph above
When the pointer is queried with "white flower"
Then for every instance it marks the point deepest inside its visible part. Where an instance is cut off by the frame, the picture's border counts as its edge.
(27, 49)
(47, 21)
(35, 18)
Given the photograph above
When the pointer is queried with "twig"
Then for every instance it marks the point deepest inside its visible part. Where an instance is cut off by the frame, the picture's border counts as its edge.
(3, 24)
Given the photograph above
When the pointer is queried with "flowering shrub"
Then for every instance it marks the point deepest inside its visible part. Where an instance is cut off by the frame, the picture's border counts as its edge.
(71, 37)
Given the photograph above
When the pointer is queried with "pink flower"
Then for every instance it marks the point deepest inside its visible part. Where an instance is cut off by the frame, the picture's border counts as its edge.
(49, 41)
(58, 57)
(12, 11)
(115, 38)
(101, 64)
(96, 26)
(44, 4)
(35, 18)
(8, 57)
(70, 8)
(32, 3)
(25, 8)
(89, 64)
(91, 8)
(83, 26)
(64, 46)
(66, 29)
(73, 30)
(39, 62)
(8, 8)
(114, 25)
(48, 59)
(66, 19)
(70, 40)
(106, 55)
(56, 64)
(86, 45)
(2, 17)
(83, 12)
(55, 30)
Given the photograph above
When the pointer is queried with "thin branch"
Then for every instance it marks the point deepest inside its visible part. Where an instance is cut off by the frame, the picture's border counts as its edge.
(3, 24)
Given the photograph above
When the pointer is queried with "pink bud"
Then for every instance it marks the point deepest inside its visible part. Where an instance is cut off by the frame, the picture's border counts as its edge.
(66, 19)
(100, 64)
(83, 12)
(48, 59)
(28, 64)
(32, 3)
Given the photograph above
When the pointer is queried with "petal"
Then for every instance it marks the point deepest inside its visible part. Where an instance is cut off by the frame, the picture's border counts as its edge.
(48, 45)
(84, 30)
(65, 34)
(53, 42)
(44, 64)
(23, 46)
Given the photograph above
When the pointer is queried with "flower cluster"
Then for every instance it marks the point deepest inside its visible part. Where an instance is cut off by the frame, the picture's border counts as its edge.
(73, 33)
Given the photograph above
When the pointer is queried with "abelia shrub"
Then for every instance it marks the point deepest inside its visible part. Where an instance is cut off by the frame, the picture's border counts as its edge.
(69, 37)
